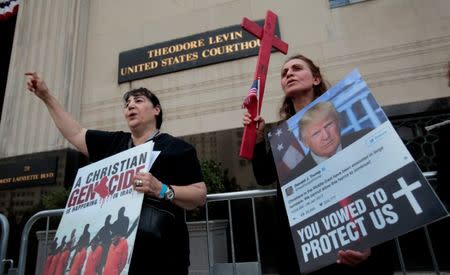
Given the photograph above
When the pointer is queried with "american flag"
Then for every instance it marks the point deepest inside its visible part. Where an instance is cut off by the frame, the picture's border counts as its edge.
(8, 8)
(253, 94)
(287, 151)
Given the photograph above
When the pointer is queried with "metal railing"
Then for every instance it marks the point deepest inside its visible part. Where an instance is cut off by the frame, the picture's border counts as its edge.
(265, 193)
(229, 197)
(210, 198)
(3, 241)
(26, 232)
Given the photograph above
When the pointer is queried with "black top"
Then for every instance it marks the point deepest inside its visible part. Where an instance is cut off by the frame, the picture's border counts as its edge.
(265, 173)
(177, 164)
(382, 257)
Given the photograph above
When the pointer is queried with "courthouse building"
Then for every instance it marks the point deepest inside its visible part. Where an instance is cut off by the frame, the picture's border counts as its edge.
(400, 47)
(200, 63)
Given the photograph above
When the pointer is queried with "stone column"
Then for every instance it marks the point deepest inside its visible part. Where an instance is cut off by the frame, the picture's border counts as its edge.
(50, 38)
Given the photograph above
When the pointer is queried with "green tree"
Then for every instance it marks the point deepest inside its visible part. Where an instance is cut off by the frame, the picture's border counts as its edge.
(216, 178)
(56, 199)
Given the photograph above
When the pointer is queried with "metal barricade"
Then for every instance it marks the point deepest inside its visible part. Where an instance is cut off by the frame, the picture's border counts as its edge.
(3, 242)
(213, 269)
(26, 232)
(253, 267)
(428, 175)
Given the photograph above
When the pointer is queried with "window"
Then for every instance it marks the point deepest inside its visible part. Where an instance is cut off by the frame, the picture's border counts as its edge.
(340, 3)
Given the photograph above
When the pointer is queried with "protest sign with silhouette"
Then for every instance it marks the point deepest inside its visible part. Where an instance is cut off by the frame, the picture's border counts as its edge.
(98, 228)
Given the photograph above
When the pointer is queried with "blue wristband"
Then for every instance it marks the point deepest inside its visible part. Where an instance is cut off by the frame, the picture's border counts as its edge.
(163, 191)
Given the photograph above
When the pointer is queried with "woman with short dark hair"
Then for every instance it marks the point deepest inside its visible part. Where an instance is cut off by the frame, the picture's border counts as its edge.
(174, 182)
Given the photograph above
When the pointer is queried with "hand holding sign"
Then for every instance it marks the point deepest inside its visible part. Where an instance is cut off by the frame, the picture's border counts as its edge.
(352, 257)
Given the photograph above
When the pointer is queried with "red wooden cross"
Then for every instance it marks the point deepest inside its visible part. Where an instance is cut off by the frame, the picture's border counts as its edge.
(268, 40)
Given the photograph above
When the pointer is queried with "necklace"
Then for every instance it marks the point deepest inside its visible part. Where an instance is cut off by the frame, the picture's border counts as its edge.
(152, 136)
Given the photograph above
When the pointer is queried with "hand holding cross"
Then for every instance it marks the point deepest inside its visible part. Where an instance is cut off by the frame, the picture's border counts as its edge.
(268, 40)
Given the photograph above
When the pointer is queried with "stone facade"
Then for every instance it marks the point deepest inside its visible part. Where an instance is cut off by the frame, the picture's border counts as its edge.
(401, 48)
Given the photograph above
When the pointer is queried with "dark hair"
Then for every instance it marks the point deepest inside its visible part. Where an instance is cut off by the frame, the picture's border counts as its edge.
(287, 108)
(153, 99)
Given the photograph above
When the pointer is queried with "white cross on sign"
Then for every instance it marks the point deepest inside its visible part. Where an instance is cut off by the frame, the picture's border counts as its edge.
(406, 190)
